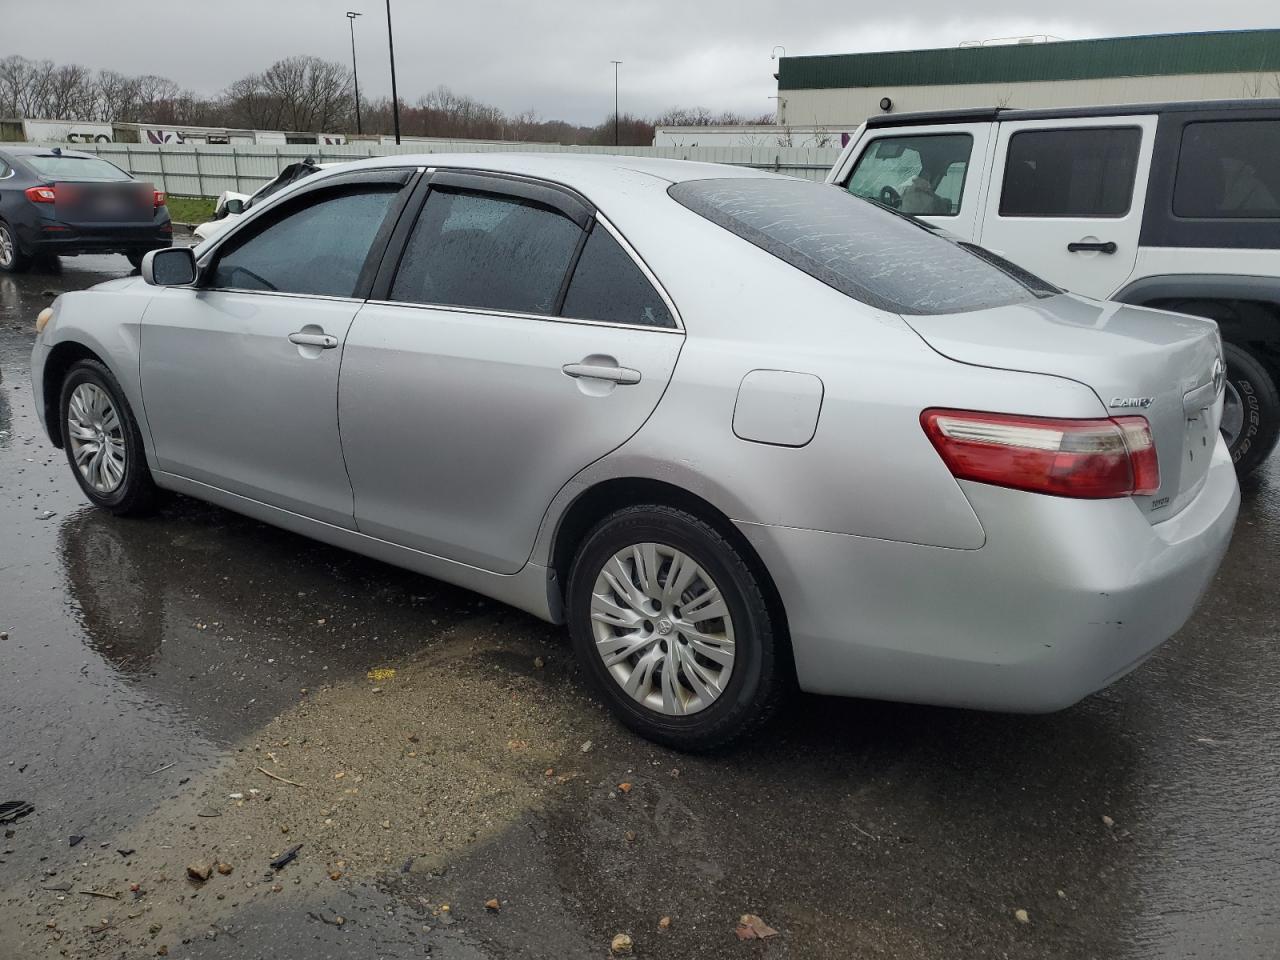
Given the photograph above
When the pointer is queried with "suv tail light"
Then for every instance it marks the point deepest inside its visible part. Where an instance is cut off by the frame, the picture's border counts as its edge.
(41, 194)
(1089, 459)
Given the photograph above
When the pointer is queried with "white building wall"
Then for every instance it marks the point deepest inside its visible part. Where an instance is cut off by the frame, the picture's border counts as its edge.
(851, 105)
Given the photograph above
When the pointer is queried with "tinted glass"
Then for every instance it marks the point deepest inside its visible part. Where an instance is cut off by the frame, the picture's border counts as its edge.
(319, 248)
(917, 175)
(486, 250)
(861, 249)
(607, 285)
(1083, 172)
(75, 168)
(1229, 169)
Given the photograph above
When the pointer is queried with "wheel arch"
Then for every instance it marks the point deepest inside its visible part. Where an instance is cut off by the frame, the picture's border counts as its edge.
(61, 357)
(602, 498)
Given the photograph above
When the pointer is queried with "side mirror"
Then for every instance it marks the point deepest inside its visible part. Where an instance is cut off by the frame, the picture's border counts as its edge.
(170, 267)
(233, 205)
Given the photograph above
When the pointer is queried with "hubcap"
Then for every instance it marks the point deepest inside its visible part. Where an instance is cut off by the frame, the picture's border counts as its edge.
(96, 437)
(1232, 414)
(662, 629)
(6, 247)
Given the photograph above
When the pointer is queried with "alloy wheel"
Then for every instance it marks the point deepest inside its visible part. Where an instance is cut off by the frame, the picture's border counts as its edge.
(662, 628)
(96, 436)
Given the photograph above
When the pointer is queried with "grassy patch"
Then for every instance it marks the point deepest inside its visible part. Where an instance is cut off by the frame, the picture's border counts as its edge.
(190, 209)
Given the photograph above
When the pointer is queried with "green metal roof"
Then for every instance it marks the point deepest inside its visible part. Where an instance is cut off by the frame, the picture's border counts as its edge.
(1228, 51)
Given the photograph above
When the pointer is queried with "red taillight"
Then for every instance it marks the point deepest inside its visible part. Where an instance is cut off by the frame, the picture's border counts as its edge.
(41, 194)
(157, 198)
(1090, 459)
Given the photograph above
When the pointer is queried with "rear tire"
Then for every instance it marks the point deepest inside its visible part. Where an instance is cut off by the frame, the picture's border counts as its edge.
(1259, 409)
(706, 706)
(12, 259)
(135, 259)
(102, 441)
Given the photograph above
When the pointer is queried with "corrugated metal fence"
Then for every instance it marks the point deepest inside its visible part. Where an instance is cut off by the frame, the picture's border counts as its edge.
(206, 171)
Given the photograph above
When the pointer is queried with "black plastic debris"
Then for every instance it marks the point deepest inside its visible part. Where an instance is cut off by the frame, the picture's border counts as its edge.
(286, 858)
(74, 839)
(11, 811)
(125, 852)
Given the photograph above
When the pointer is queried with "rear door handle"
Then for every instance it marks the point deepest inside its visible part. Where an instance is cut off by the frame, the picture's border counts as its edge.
(1104, 246)
(599, 371)
(322, 340)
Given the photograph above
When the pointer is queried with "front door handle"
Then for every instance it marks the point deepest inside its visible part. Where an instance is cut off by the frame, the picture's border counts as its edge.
(600, 371)
(322, 340)
(1101, 246)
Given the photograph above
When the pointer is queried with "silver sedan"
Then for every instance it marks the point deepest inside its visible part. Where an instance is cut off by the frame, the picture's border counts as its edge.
(740, 432)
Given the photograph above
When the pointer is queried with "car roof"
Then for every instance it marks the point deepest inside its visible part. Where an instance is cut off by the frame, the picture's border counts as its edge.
(981, 114)
(25, 151)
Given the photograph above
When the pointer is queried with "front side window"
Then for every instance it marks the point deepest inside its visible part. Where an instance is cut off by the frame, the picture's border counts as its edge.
(75, 168)
(486, 250)
(1229, 169)
(866, 252)
(607, 285)
(1080, 172)
(318, 249)
(915, 175)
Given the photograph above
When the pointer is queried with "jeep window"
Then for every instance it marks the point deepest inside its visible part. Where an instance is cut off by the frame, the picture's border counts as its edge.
(916, 175)
(1078, 172)
(1228, 169)
(866, 252)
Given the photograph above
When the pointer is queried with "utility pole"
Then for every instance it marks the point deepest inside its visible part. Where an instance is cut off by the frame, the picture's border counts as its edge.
(615, 100)
(351, 19)
(395, 97)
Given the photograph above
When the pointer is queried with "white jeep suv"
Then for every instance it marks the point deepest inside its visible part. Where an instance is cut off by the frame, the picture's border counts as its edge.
(1171, 205)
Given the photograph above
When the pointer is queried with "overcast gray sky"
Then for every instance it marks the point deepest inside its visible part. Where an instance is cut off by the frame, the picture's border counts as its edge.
(553, 55)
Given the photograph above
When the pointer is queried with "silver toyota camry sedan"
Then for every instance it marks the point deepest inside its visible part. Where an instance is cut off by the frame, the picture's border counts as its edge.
(739, 432)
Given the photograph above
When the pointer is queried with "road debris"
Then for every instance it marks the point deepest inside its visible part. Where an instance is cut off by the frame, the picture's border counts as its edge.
(493, 905)
(624, 787)
(1107, 821)
(664, 923)
(126, 851)
(224, 869)
(11, 811)
(199, 872)
(379, 674)
(1022, 916)
(621, 944)
(586, 746)
(99, 893)
(751, 927)
(75, 840)
(286, 858)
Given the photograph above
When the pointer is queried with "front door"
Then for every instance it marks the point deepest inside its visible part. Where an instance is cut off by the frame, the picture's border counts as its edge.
(240, 375)
(485, 382)
(1066, 199)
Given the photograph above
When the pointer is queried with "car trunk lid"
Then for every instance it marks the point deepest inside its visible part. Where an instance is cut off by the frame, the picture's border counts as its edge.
(1162, 366)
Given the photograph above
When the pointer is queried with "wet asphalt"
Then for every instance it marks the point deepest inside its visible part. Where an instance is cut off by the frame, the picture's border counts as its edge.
(145, 660)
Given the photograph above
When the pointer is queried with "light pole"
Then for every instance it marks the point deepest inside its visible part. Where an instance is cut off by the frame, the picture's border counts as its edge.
(351, 19)
(616, 64)
(395, 97)
(782, 110)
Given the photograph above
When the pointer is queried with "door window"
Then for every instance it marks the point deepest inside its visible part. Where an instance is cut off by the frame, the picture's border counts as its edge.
(916, 175)
(608, 285)
(319, 248)
(1082, 172)
(1228, 169)
(486, 250)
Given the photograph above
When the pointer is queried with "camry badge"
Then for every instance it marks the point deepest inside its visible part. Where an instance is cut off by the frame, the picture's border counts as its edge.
(1123, 403)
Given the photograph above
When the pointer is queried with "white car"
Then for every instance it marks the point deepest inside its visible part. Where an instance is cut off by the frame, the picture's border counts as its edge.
(232, 206)
(1172, 205)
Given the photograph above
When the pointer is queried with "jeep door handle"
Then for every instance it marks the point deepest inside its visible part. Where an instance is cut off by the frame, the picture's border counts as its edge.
(322, 340)
(599, 371)
(1105, 246)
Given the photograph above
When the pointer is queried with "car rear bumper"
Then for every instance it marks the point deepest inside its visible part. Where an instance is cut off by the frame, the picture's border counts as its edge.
(1065, 597)
(66, 239)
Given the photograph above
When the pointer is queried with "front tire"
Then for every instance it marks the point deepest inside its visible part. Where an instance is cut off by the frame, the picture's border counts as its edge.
(102, 441)
(1251, 410)
(672, 627)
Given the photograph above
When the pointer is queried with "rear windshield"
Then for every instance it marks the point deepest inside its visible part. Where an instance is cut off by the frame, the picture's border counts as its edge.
(860, 248)
(75, 168)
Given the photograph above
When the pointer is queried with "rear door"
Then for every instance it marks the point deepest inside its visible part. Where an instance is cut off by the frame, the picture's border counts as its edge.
(517, 340)
(935, 173)
(1066, 198)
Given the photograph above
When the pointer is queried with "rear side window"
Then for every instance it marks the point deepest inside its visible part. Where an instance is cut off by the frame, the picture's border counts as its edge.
(486, 250)
(916, 175)
(608, 285)
(874, 255)
(75, 168)
(1229, 169)
(1079, 172)
(319, 248)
